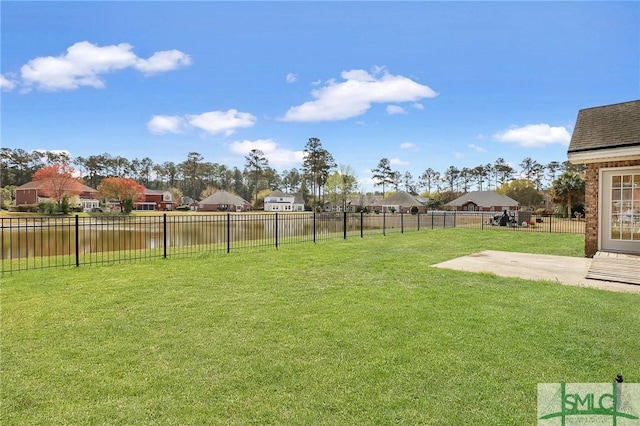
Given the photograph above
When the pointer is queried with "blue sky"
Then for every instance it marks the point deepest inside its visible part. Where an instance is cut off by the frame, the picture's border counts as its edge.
(424, 84)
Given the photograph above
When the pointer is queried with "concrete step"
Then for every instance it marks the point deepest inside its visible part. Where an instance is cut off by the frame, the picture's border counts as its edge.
(615, 267)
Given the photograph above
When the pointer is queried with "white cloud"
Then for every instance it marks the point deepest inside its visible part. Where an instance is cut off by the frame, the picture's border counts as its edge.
(458, 155)
(476, 148)
(292, 78)
(407, 145)
(84, 63)
(395, 109)
(213, 122)
(355, 95)
(397, 162)
(417, 105)
(245, 146)
(277, 157)
(226, 122)
(165, 124)
(7, 84)
(535, 135)
(367, 183)
(166, 60)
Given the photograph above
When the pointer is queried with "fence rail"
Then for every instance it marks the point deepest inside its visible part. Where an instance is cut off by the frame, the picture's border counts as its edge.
(51, 242)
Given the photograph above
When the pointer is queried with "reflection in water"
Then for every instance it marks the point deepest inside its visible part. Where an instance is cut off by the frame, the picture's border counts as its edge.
(41, 237)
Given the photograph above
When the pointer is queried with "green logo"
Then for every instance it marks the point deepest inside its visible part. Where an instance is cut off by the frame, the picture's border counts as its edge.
(568, 404)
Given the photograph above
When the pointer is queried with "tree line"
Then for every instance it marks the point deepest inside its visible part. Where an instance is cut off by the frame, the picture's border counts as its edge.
(320, 179)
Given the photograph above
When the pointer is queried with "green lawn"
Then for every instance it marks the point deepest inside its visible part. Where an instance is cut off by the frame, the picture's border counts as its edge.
(361, 331)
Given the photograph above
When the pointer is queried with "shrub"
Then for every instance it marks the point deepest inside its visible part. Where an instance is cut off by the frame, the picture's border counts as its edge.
(25, 208)
(48, 207)
(64, 205)
(413, 210)
(128, 205)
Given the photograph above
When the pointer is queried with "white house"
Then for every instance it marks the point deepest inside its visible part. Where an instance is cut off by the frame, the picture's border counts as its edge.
(278, 201)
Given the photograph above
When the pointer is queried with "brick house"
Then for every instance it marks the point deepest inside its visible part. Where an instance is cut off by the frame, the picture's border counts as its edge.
(483, 201)
(607, 140)
(32, 193)
(401, 202)
(223, 201)
(156, 199)
(369, 202)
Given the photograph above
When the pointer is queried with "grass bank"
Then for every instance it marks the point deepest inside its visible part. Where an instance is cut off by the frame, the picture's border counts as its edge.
(361, 331)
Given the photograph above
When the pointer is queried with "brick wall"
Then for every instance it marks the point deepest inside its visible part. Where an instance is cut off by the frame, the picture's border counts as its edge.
(591, 201)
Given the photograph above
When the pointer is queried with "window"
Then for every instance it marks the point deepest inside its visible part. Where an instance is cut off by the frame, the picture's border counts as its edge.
(625, 207)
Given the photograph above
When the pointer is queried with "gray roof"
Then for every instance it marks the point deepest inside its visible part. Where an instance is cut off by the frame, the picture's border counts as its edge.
(36, 184)
(364, 200)
(607, 127)
(277, 193)
(224, 197)
(297, 196)
(401, 198)
(148, 191)
(483, 199)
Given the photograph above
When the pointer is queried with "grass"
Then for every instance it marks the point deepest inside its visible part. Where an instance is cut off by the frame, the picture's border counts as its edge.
(361, 331)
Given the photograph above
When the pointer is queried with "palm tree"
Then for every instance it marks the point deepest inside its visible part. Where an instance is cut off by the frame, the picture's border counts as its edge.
(568, 188)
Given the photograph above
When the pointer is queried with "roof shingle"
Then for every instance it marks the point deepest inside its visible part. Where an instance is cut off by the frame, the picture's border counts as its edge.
(224, 197)
(483, 199)
(606, 127)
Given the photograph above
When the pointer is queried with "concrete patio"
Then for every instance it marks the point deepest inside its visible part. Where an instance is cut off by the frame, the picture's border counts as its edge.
(561, 269)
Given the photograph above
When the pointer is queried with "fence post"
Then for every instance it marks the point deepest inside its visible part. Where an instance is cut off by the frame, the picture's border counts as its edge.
(550, 216)
(77, 243)
(401, 222)
(482, 219)
(276, 229)
(314, 226)
(432, 219)
(384, 223)
(164, 235)
(418, 221)
(454, 219)
(228, 232)
(361, 224)
(345, 225)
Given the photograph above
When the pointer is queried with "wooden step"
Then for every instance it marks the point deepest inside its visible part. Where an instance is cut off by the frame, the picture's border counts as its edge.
(613, 267)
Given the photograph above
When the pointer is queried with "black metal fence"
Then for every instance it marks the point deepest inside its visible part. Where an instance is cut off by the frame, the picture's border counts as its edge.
(50, 242)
